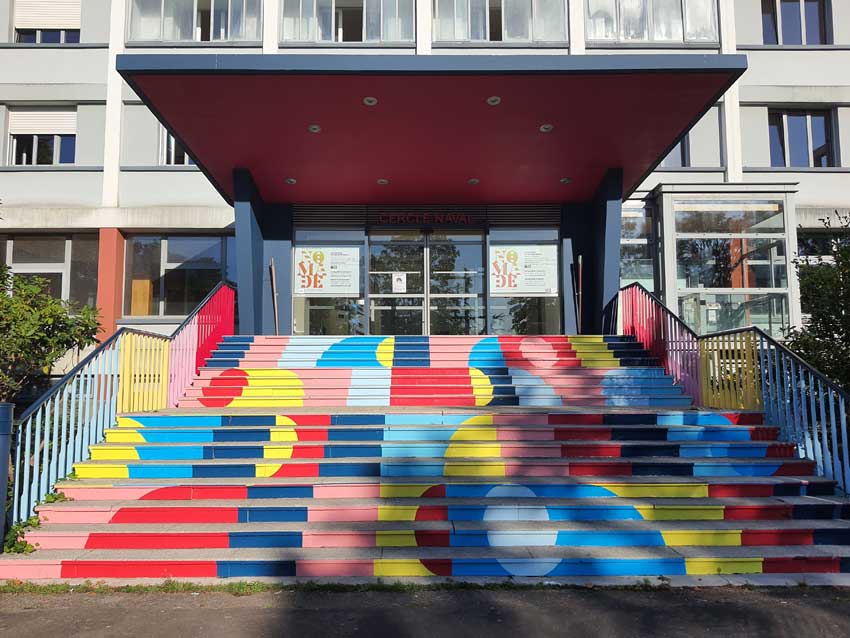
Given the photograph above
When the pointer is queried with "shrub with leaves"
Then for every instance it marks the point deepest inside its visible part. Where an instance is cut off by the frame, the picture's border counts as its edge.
(36, 330)
(824, 341)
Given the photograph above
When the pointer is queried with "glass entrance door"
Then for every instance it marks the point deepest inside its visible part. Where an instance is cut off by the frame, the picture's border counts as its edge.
(422, 284)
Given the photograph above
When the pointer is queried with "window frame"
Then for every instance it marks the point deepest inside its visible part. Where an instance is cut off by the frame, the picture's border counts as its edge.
(827, 22)
(164, 267)
(168, 145)
(618, 41)
(336, 26)
(57, 148)
(831, 142)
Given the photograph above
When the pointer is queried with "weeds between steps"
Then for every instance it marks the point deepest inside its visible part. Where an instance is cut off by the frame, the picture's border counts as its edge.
(14, 542)
(249, 588)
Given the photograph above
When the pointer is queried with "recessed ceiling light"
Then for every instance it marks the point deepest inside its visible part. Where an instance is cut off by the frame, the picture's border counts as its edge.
(383, 181)
(494, 100)
(546, 128)
(291, 181)
(314, 128)
(566, 180)
(370, 101)
(473, 181)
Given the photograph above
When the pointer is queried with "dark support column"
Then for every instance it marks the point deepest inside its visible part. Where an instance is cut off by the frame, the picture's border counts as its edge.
(569, 265)
(608, 205)
(249, 253)
(263, 233)
(592, 230)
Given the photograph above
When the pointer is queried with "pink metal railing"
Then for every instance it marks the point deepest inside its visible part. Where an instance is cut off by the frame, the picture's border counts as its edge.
(197, 337)
(664, 335)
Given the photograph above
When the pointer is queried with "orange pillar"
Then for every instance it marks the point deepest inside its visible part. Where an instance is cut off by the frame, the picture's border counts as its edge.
(110, 274)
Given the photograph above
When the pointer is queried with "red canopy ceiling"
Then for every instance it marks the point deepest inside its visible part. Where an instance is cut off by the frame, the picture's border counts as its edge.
(432, 129)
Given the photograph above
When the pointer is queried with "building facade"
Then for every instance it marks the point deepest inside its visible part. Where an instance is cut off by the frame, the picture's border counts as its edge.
(100, 198)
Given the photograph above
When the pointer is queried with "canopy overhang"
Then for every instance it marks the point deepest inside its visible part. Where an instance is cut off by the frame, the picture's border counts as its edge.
(432, 137)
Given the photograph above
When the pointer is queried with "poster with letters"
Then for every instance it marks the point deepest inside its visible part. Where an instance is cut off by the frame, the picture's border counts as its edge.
(332, 271)
(523, 270)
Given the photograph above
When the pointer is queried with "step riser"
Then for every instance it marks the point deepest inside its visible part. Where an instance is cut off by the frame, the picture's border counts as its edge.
(434, 401)
(451, 513)
(412, 392)
(424, 469)
(439, 538)
(405, 568)
(475, 433)
(449, 450)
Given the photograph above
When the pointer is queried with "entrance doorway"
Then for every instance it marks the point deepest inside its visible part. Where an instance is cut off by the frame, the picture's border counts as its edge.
(426, 283)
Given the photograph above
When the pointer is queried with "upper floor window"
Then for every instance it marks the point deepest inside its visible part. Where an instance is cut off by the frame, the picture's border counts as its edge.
(47, 36)
(679, 157)
(652, 20)
(173, 153)
(500, 20)
(793, 22)
(348, 21)
(47, 21)
(44, 137)
(800, 138)
(195, 20)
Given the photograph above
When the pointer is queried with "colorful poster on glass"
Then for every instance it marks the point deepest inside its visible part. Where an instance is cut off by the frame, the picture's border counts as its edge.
(523, 270)
(327, 271)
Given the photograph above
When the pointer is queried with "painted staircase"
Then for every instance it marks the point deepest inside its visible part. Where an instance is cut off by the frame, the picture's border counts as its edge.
(500, 457)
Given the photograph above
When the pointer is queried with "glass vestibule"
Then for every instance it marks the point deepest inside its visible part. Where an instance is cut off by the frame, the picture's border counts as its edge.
(416, 282)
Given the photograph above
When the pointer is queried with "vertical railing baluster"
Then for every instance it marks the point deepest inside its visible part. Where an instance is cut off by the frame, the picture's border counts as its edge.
(845, 456)
(833, 439)
(827, 457)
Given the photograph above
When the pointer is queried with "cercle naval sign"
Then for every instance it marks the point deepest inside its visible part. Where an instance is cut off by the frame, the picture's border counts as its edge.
(425, 219)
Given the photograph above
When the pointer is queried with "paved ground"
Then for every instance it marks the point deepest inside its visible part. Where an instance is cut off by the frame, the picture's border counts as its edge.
(797, 612)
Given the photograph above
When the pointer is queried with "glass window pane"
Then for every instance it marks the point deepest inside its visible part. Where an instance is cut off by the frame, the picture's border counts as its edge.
(815, 22)
(525, 315)
(186, 287)
(675, 158)
(198, 251)
(141, 291)
(44, 249)
(456, 269)
(478, 20)
(517, 20)
(220, 19)
(406, 20)
(792, 29)
(53, 281)
(230, 258)
(51, 36)
(705, 312)
(701, 21)
(635, 227)
(385, 259)
(550, 24)
(67, 149)
(328, 316)
(325, 20)
(72, 36)
(821, 140)
(637, 265)
(25, 36)
(372, 20)
(445, 27)
(44, 149)
(457, 316)
(178, 21)
(389, 19)
(729, 217)
(798, 139)
(23, 145)
(633, 20)
(731, 263)
(396, 316)
(601, 20)
(768, 22)
(461, 20)
(667, 20)
(84, 251)
(291, 16)
(776, 133)
(145, 21)
(253, 20)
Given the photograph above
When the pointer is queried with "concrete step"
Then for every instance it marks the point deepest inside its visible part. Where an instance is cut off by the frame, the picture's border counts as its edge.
(550, 373)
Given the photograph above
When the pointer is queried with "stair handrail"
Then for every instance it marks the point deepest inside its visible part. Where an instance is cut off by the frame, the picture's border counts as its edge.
(131, 371)
(746, 368)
